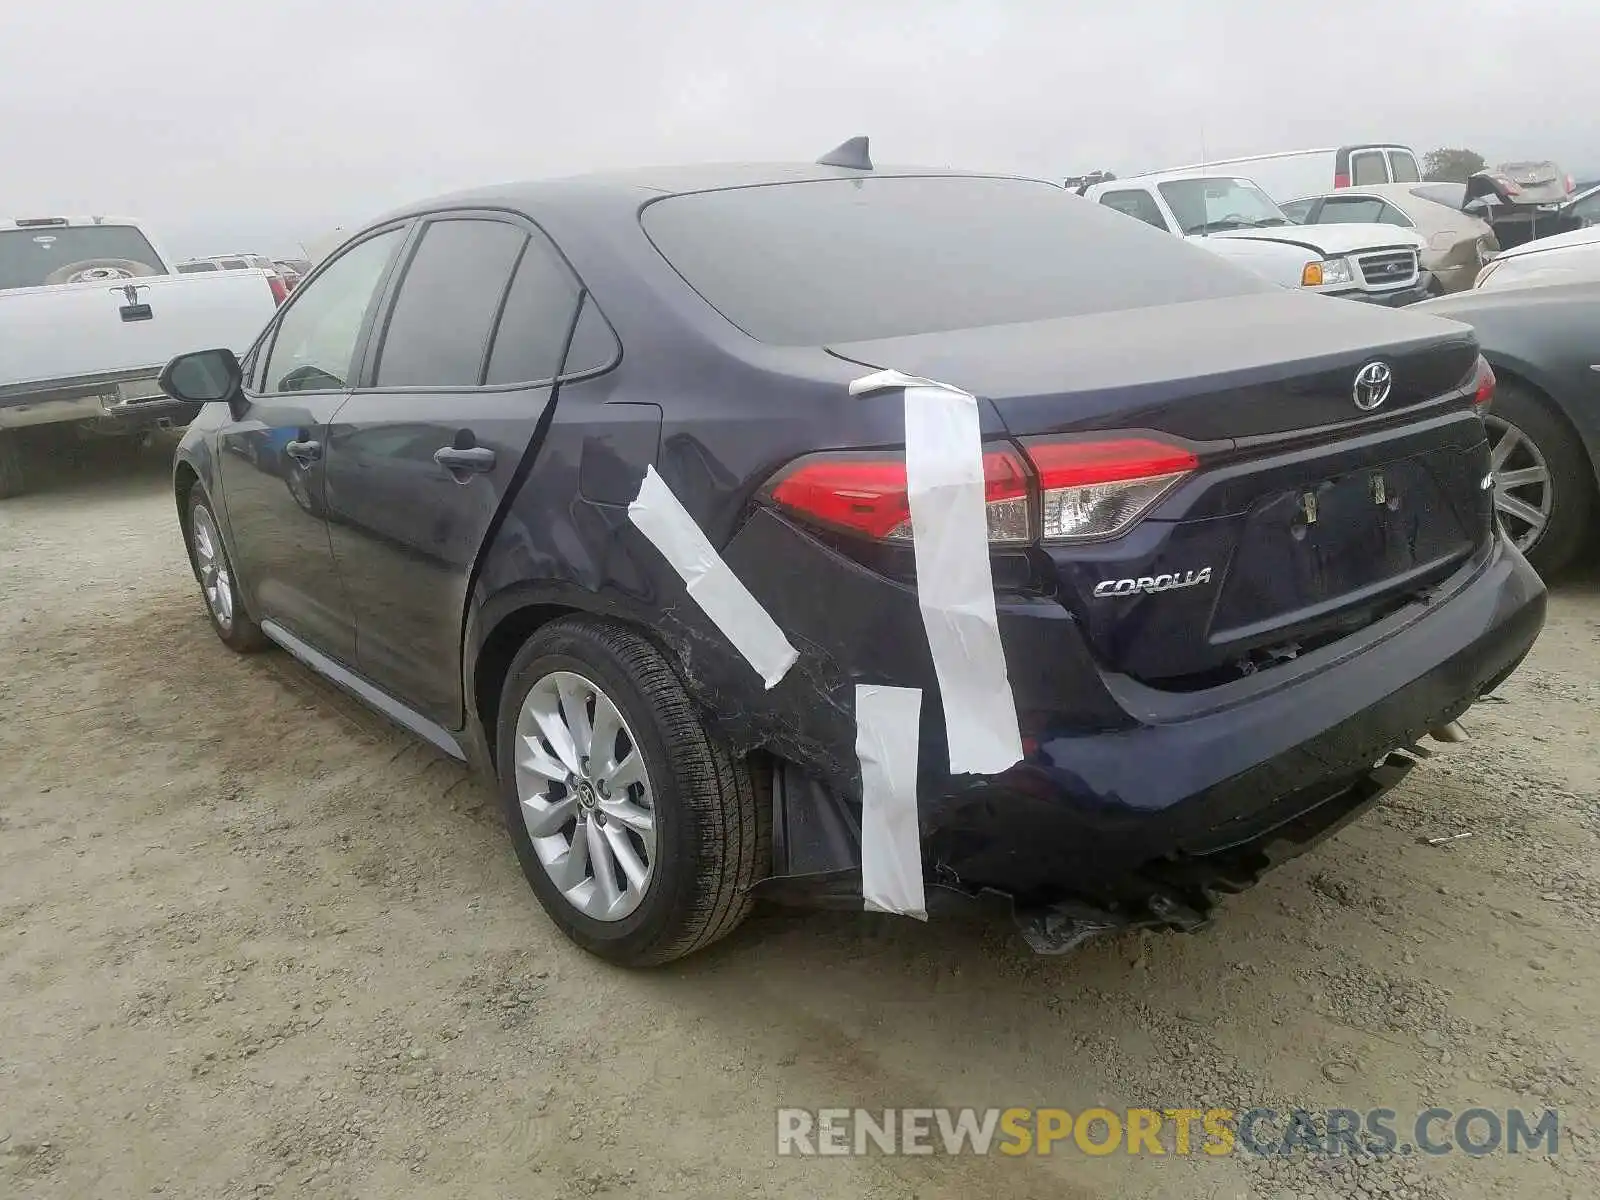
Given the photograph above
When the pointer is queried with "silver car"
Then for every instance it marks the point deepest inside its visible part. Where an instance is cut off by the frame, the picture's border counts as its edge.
(1458, 245)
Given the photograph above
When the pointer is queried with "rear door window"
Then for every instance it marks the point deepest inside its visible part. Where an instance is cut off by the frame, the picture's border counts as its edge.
(1368, 168)
(852, 259)
(539, 308)
(438, 329)
(1348, 210)
(1136, 203)
(1404, 166)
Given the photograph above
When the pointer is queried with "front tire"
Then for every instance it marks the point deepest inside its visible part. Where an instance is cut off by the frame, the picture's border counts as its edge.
(638, 831)
(1544, 485)
(219, 586)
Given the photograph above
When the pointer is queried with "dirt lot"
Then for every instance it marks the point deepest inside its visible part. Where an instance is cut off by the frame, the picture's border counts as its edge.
(254, 941)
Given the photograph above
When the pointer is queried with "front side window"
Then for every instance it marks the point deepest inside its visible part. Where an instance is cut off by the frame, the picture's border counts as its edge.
(316, 341)
(438, 330)
(1136, 203)
(43, 255)
(1214, 203)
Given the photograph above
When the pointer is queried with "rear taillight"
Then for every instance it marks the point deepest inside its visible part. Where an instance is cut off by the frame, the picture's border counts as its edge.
(279, 292)
(1098, 489)
(1483, 384)
(865, 493)
(1060, 491)
(1341, 180)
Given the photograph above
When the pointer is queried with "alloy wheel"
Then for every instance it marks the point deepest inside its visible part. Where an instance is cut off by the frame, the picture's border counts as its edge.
(585, 796)
(215, 580)
(1522, 492)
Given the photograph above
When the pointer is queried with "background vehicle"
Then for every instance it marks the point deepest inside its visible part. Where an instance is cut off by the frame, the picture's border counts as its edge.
(1545, 420)
(1292, 173)
(1521, 201)
(472, 390)
(1234, 218)
(1456, 245)
(89, 313)
(1562, 258)
(293, 270)
(243, 262)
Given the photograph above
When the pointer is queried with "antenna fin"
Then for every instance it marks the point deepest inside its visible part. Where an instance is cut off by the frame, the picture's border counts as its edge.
(851, 155)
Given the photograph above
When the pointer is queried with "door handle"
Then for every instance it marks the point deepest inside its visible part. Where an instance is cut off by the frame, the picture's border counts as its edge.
(471, 458)
(304, 453)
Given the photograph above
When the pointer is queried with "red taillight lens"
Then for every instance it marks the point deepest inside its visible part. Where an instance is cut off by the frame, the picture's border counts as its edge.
(1060, 490)
(279, 292)
(865, 493)
(1483, 384)
(1094, 489)
(1341, 180)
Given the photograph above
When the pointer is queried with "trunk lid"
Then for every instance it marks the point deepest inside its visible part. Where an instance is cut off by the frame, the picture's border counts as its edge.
(1308, 517)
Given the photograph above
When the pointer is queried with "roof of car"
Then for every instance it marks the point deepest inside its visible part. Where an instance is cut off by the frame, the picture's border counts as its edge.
(633, 187)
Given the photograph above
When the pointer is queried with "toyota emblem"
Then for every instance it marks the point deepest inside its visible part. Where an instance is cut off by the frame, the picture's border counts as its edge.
(1372, 386)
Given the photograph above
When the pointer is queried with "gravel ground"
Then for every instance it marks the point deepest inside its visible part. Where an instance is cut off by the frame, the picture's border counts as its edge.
(254, 941)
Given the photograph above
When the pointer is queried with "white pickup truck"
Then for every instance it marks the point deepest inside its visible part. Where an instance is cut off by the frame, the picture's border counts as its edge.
(90, 313)
(1234, 218)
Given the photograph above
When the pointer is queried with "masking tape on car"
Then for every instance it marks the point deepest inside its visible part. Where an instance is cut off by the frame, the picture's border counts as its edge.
(712, 584)
(887, 723)
(955, 589)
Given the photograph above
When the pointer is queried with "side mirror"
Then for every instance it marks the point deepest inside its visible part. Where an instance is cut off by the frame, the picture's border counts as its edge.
(206, 377)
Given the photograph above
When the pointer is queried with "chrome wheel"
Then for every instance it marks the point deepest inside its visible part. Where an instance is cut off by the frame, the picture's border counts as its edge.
(1522, 491)
(585, 796)
(215, 581)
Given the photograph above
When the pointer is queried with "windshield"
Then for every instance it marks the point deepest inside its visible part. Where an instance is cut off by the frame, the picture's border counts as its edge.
(41, 255)
(809, 264)
(1213, 204)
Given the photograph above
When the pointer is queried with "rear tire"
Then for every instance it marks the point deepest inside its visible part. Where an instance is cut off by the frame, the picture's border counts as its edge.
(1542, 441)
(710, 835)
(13, 479)
(219, 586)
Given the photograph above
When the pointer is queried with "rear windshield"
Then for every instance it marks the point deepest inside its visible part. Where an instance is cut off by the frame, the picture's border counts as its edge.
(1405, 167)
(47, 254)
(856, 259)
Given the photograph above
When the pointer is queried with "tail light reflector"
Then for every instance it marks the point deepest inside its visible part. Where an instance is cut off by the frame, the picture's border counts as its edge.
(279, 291)
(1098, 489)
(865, 493)
(1483, 384)
(1341, 180)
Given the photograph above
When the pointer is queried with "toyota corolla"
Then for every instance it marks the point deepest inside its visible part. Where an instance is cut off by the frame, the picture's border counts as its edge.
(1242, 541)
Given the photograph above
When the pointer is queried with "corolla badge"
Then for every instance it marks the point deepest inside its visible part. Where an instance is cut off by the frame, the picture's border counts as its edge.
(1373, 384)
(1151, 584)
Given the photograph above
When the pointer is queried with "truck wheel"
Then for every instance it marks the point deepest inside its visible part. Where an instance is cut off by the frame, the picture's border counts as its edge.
(218, 584)
(12, 481)
(1543, 484)
(639, 832)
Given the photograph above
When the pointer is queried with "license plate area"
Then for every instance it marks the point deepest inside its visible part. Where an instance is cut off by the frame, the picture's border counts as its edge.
(1303, 551)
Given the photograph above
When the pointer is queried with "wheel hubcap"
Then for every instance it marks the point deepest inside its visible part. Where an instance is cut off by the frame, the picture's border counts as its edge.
(585, 796)
(1522, 491)
(215, 581)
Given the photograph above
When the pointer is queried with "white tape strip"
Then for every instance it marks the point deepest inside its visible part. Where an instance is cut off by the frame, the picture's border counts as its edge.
(712, 584)
(887, 720)
(955, 589)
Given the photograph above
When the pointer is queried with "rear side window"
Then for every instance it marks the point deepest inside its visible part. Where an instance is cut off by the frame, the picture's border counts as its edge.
(1367, 168)
(538, 316)
(1349, 210)
(438, 329)
(1405, 167)
(854, 259)
(1136, 203)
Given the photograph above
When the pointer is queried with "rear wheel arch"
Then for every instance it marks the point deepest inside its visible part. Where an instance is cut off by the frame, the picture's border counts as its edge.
(1511, 373)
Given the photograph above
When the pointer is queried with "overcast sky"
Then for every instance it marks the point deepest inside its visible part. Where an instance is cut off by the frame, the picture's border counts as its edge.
(255, 124)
